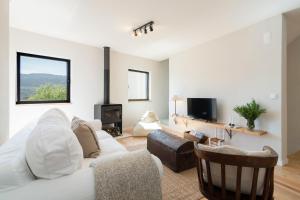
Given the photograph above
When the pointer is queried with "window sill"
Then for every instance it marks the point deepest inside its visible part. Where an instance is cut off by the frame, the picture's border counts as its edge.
(42, 102)
(139, 100)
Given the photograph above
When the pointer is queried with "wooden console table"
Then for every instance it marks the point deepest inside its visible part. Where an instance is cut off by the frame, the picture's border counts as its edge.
(190, 123)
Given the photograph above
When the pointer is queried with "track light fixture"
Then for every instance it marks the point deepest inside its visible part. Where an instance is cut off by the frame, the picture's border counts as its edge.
(143, 29)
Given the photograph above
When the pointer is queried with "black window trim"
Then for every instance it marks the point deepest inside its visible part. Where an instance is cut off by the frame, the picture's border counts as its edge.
(147, 75)
(68, 61)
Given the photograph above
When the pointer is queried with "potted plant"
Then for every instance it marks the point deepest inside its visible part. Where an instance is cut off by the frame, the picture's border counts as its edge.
(251, 111)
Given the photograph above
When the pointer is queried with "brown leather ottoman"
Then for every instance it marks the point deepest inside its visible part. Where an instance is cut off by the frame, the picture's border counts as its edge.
(174, 152)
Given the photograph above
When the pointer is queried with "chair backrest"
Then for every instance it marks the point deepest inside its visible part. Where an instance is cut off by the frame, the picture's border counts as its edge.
(205, 176)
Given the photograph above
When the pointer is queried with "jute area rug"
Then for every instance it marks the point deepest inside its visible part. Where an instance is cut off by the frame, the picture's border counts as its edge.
(175, 186)
(184, 185)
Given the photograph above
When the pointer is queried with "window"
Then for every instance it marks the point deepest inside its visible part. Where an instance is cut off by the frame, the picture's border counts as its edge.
(138, 85)
(42, 79)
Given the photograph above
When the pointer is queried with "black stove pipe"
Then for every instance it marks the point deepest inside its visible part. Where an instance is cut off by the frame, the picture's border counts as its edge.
(106, 74)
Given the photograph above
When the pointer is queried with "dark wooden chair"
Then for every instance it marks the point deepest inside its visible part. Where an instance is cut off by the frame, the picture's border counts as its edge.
(213, 192)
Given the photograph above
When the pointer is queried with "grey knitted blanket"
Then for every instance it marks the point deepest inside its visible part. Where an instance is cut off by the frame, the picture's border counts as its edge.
(127, 176)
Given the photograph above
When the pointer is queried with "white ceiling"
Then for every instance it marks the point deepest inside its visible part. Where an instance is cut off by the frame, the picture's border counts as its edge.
(179, 24)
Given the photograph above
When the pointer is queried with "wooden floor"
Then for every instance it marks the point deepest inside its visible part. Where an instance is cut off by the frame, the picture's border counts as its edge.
(287, 178)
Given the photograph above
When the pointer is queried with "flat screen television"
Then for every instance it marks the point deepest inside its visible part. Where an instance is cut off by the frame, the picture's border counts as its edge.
(202, 108)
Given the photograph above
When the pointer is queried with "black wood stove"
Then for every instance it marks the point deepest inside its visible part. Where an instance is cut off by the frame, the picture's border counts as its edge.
(110, 114)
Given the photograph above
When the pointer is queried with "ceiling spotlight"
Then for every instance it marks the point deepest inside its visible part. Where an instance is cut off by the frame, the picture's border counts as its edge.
(151, 28)
(143, 29)
(140, 32)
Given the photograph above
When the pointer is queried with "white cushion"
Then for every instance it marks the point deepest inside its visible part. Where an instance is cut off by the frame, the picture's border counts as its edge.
(158, 164)
(52, 148)
(231, 171)
(110, 146)
(225, 149)
(149, 117)
(57, 116)
(14, 171)
(143, 129)
(96, 124)
(102, 135)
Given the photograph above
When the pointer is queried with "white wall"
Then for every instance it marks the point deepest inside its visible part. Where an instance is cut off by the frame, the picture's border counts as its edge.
(234, 69)
(4, 66)
(293, 96)
(87, 80)
(132, 111)
(86, 76)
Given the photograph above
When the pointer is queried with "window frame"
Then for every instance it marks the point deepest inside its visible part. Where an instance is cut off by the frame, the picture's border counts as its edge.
(18, 97)
(147, 88)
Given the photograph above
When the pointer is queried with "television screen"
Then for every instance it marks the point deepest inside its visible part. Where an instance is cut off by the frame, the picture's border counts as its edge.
(202, 108)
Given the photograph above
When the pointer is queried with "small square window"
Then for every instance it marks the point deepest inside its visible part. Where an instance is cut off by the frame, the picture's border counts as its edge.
(138, 85)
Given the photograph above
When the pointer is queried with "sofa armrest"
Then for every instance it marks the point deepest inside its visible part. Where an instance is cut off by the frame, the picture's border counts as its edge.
(96, 124)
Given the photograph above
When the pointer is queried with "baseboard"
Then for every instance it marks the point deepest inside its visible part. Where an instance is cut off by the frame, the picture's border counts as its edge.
(283, 162)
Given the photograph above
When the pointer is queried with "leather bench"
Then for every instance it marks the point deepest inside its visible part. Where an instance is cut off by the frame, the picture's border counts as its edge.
(174, 152)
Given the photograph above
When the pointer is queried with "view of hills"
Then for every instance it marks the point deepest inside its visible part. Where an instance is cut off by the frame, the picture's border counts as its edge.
(30, 82)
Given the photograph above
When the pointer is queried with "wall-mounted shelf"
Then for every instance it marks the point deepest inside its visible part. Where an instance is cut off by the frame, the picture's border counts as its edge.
(193, 123)
(246, 131)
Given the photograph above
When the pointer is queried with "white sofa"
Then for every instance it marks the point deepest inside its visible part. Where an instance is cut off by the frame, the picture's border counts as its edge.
(77, 186)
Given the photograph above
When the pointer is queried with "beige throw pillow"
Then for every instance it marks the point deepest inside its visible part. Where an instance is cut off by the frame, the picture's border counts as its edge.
(87, 137)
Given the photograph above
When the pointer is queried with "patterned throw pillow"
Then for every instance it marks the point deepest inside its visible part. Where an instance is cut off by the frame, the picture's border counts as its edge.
(87, 137)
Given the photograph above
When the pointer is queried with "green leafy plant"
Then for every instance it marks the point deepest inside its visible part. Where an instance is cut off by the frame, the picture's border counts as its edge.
(49, 92)
(251, 111)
